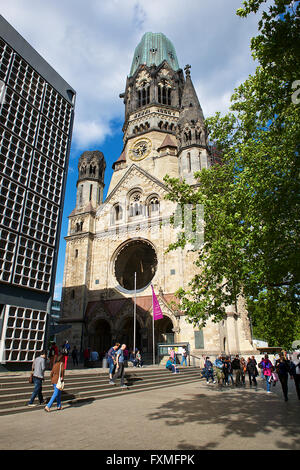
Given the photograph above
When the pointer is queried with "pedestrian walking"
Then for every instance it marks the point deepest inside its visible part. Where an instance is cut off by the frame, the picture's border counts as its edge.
(209, 371)
(56, 373)
(267, 369)
(38, 371)
(111, 361)
(296, 374)
(252, 371)
(120, 369)
(75, 356)
(283, 369)
(236, 369)
(184, 357)
(219, 370)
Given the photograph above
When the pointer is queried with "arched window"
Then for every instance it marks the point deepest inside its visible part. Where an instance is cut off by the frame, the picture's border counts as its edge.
(153, 206)
(164, 94)
(189, 163)
(144, 96)
(117, 213)
(135, 205)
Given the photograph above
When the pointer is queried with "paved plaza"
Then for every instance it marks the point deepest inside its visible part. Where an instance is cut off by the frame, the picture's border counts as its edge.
(193, 416)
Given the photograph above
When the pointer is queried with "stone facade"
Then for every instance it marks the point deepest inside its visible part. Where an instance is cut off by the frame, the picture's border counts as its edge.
(108, 241)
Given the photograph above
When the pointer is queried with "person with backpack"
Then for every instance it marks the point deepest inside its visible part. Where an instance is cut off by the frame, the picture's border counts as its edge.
(219, 369)
(236, 368)
(267, 369)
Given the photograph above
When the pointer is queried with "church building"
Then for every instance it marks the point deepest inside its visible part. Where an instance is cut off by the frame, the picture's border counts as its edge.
(117, 248)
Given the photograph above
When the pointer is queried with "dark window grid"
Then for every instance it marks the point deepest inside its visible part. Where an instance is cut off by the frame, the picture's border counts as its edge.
(6, 54)
(38, 277)
(15, 157)
(40, 230)
(52, 142)
(11, 202)
(57, 109)
(46, 178)
(14, 114)
(26, 81)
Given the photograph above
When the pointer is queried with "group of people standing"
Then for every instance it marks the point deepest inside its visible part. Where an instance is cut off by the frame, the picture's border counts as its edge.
(234, 371)
(229, 371)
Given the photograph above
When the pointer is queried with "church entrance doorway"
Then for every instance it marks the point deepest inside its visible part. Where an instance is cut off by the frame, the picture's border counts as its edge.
(101, 339)
(126, 333)
(163, 331)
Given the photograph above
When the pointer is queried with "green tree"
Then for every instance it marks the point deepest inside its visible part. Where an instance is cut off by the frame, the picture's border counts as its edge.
(252, 201)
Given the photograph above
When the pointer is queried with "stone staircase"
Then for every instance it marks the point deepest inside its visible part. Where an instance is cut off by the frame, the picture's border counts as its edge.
(89, 385)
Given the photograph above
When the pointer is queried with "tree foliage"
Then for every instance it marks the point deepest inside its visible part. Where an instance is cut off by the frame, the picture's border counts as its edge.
(252, 201)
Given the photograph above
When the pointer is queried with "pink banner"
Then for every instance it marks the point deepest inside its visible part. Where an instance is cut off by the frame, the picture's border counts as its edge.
(157, 313)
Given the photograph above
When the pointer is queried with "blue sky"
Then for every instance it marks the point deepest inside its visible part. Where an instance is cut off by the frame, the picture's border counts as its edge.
(91, 45)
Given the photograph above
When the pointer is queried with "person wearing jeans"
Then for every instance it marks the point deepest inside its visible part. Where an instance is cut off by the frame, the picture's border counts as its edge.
(38, 369)
(57, 371)
(267, 369)
(184, 356)
(120, 369)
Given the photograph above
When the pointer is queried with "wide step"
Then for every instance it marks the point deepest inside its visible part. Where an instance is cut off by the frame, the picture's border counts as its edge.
(15, 392)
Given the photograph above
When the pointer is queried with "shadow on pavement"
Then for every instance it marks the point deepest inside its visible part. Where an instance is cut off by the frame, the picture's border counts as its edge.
(243, 413)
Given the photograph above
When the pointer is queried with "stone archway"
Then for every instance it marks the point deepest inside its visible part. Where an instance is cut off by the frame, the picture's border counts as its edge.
(163, 331)
(126, 333)
(100, 337)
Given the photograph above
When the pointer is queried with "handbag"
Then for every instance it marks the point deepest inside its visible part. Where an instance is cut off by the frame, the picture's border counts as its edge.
(275, 376)
(30, 380)
(60, 383)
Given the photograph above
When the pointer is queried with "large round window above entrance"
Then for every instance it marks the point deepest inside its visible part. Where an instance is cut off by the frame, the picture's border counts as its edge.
(136, 256)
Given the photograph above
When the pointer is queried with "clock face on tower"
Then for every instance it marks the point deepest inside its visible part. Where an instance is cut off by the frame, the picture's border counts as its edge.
(140, 149)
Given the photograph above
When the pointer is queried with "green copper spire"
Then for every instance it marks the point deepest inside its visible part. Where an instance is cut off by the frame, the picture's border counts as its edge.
(154, 48)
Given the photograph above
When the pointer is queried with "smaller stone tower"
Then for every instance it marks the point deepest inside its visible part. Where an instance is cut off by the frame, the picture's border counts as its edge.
(90, 184)
(193, 152)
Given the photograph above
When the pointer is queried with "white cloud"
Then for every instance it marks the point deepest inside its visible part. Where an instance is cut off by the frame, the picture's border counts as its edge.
(91, 44)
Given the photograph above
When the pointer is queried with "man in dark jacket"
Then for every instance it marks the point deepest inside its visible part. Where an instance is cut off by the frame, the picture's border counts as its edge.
(236, 368)
(283, 369)
(252, 370)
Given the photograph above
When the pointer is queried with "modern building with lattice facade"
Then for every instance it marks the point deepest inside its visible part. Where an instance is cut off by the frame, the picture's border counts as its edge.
(36, 120)
(130, 231)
